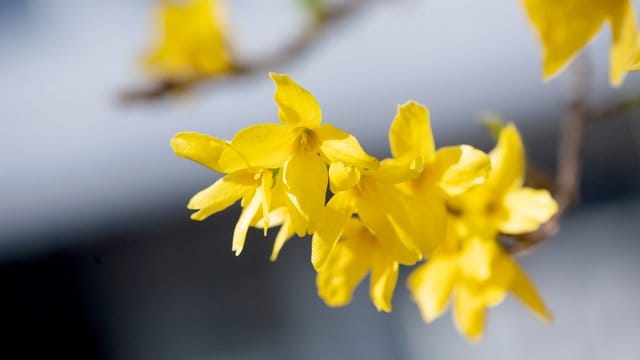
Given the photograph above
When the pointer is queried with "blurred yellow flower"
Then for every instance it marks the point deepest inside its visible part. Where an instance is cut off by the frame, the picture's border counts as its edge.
(566, 26)
(192, 41)
(471, 265)
(358, 253)
(476, 276)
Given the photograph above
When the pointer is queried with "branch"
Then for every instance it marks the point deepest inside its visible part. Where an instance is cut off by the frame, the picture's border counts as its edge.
(567, 181)
(325, 19)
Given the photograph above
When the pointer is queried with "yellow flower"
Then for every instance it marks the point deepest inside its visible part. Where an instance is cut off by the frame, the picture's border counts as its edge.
(503, 204)
(446, 172)
(302, 147)
(405, 223)
(476, 277)
(192, 40)
(380, 206)
(259, 189)
(566, 26)
(358, 253)
(470, 265)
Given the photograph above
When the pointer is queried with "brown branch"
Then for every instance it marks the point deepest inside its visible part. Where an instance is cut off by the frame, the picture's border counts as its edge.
(616, 110)
(327, 18)
(567, 182)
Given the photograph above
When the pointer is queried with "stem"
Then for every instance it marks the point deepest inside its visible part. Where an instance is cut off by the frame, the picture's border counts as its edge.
(569, 168)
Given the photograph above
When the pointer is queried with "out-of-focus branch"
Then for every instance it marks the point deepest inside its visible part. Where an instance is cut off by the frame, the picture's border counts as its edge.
(567, 181)
(618, 109)
(323, 20)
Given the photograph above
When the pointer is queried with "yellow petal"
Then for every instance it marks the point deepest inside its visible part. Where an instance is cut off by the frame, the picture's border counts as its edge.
(298, 221)
(343, 177)
(266, 184)
(460, 168)
(635, 63)
(410, 134)
(343, 271)
(431, 285)
(379, 209)
(192, 41)
(240, 231)
(337, 213)
(305, 177)
(222, 194)
(526, 209)
(296, 106)
(564, 28)
(285, 233)
(206, 150)
(340, 146)
(276, 218)
(476, 261)
(625, 39)
(468, 314)
(428, 213)
(507, 161)
(263, 146)
(526, 292)
(384, 275)
(392, 171)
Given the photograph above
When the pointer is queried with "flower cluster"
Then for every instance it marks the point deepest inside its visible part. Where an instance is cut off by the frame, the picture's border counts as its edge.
(443, 208)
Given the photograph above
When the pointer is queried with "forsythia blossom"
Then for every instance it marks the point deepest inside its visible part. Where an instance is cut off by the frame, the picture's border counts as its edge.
(447, 206)
(564, 27)
(192, 40)
(469, 265)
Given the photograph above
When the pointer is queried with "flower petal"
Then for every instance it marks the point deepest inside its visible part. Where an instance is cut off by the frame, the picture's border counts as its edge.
(460, 168)
(564, 28)
(263, 146)
(343, 271)
(469, 314)
(625, 40)
(206, 151)
(526, 209)
(526, 292)
(392, 171)
(305, 177)
(431, 285)
(428, 213)
(266, 182)
(296, 106)
(379, 209)
(340, 146)
(343, 177)
(285, 233)
(242, 226)
(384, 276)
(222, 194)
(410, 134)
(507, 161)
(337, 213)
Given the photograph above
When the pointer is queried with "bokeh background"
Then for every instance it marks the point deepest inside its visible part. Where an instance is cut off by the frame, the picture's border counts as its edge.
(98, 257)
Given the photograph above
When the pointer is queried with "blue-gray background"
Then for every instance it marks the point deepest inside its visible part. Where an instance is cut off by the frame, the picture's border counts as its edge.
(98, 258)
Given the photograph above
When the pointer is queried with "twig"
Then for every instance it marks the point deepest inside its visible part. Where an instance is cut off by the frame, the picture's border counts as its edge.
(567, 181)
(621, 108)
(327, 18)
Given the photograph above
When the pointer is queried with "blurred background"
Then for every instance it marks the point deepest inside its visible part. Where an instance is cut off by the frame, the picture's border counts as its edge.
(98, 257)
